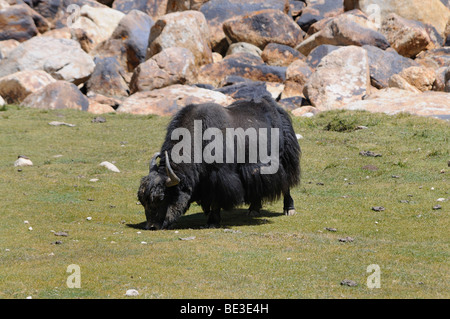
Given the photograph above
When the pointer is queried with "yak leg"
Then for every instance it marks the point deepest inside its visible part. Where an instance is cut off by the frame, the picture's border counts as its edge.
(288, 207)
(254, 209)
(206, 207)
(214, 217)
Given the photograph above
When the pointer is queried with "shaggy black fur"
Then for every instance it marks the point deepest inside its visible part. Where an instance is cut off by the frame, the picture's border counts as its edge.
(219, 186)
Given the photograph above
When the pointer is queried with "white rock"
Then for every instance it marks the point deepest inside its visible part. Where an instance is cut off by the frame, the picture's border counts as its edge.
(132, 293)
(29, 297)
(26, 222)
(187, 238)
(110, 166)
(88, 218)
(21, 161)
(30, 228)
(299, 136)
(56, 123)
(441, 199)
(94, 180)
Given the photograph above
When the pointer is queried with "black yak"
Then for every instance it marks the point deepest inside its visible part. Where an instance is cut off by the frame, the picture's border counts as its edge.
(229, 180)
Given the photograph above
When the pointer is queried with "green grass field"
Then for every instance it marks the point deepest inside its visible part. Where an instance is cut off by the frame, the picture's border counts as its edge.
(270, 256)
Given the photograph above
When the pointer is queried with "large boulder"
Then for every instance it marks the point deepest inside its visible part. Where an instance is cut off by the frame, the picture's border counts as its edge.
(87, 33)
(17, 86)
(245, 58)
(447, 80)
(384, 64)
(169, 100)
(62, 13)
(346, 29)
(317, 10)
(134, 30)
(435, 58)
(217, 12)
(407, 37)
(61, 33)
(316, 55)
(187, 29)
(392, 101)
(298, 71)
(129, 41)
(57, 95)
(20, 22)
(340, 78)
(106, 19)
(419, 77)
(291, 103)
(61, 58)
(246, 90)
(108, 78)
(239, 47)
(433, 12)
(297, 74)
(100, 104)
(7, 46)
(170, 66)
(396, 81)
(263, 27)
(216, 73)
(4, 4)
(280, 55)
(95, 25)
(441, 75)
(113, 48)
(154, 8)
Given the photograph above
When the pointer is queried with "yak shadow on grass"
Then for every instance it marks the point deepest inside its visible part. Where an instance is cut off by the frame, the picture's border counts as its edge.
(235, 217)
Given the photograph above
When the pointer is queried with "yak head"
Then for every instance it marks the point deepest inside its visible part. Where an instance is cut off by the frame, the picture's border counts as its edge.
(160, 196)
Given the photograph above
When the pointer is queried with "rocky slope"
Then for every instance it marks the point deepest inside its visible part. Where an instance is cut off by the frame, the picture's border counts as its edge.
(156, 56)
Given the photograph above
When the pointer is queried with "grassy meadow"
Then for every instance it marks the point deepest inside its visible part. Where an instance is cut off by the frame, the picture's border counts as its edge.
(269, 256)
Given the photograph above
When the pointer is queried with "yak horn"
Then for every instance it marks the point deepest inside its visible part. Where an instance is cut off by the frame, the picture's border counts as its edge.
(153, 161)
(172, 179)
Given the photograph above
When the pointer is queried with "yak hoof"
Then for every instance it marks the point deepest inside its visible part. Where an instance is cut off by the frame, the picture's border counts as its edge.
(290, 212)
(253, 213)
